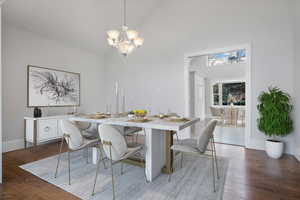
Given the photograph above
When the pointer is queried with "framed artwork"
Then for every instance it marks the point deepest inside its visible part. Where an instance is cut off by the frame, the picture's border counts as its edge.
(50, 87)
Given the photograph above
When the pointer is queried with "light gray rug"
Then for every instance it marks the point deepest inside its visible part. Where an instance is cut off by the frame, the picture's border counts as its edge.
(193, 181)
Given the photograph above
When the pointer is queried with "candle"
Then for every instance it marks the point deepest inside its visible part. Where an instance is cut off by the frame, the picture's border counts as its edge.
(123, 103)
(117, 97)
(117, 88)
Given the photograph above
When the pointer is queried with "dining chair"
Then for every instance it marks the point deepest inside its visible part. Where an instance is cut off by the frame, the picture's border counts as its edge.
(132, 132)
(200, 147)
(217, 113)
(87, 129)
(75, 142)
(241, 116)
(116, 150)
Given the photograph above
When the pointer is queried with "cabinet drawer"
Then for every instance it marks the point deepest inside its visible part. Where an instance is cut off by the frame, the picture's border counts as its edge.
(47, 129)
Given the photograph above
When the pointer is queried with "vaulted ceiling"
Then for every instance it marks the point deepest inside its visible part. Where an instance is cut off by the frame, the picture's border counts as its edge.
(82, 23)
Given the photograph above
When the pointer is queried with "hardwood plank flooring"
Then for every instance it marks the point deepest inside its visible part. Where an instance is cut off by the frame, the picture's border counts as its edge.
(251, 176)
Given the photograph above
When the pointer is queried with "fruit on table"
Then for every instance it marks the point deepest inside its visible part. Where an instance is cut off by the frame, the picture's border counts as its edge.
(140, 112)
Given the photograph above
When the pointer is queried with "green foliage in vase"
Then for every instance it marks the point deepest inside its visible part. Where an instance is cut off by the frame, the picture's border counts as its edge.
(274, 108)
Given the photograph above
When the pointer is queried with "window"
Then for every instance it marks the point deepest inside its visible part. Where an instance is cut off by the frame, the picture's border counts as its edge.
(229, 57)
(216, 95)
(225, 94)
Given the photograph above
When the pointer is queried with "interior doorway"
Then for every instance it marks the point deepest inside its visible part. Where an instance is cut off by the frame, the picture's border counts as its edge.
(218, 87)
(197, 91)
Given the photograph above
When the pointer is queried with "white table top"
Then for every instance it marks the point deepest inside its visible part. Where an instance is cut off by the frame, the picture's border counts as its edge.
(49, 117)
(161, 124)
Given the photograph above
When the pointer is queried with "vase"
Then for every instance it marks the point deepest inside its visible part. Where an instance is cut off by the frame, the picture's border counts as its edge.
(37, 112)
(274, 148)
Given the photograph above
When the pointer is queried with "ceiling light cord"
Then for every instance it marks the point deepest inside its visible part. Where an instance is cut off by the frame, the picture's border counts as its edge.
(124, 17)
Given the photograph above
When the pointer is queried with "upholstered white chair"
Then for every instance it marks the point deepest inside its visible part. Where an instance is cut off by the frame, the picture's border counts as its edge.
(115, 148)
(200, 147)
(241, 116)
(88, 130)
(217, 113)
(75, 142)
(132, 132)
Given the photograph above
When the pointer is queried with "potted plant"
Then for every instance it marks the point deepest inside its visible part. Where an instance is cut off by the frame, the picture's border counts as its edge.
(274, 108)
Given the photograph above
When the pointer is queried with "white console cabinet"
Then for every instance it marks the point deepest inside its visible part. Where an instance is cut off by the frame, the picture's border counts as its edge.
(43, 129)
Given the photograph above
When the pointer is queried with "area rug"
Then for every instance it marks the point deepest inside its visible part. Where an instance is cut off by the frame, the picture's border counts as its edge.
(193, 181)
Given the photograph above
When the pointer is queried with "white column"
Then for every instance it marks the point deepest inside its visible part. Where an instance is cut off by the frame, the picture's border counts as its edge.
(155, 153)
(187, 63)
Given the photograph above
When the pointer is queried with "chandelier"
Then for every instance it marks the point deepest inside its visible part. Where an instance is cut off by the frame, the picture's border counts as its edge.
(125, 40)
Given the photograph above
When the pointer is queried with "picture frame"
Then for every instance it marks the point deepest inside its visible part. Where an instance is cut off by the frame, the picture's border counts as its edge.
(49, 87)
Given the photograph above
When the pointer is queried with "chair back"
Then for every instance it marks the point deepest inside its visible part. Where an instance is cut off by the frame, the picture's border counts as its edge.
(111, 134)
(82, 125)
(74, 139)
(215, 112)
(206, 135)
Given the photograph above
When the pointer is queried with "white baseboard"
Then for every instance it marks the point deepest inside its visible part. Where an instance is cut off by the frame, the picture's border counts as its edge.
(17, 144)
(12, 145)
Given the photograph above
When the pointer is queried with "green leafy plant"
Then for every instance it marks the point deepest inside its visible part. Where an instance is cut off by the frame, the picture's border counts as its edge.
(274, 108)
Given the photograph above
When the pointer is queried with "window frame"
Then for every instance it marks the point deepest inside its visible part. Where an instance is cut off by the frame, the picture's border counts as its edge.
(220, 86)
(227, 63)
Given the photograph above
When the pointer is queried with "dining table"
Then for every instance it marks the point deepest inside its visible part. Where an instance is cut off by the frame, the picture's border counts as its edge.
(159, 133)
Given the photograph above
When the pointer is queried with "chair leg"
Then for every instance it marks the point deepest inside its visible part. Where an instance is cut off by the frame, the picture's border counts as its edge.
(112, 174)
(59, 156)
(181, 160)
(213, 167)
(137, 138)
(101, 156)
(69, 167)
(97, 171)
(215, 157)
(122, 168)
(177, 136)
(87, 155)
(170, 175)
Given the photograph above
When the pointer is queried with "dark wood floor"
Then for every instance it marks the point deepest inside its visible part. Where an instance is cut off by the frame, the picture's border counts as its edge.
(251, 175)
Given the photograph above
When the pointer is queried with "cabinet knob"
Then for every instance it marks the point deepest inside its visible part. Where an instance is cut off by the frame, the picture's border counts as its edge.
(47, 129)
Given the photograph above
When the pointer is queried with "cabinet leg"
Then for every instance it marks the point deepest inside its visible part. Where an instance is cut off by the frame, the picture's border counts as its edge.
(25, 143)
(35, 134)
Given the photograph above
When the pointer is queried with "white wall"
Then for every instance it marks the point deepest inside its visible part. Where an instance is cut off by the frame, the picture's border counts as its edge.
(21, 48)
(153, 75)
(219, 72)
(0, 94)
(297, 80)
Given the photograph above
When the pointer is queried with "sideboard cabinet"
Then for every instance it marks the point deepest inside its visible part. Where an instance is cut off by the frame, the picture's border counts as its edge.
(43, 129)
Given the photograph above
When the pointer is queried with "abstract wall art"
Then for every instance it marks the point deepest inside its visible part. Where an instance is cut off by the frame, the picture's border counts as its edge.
(51, 87)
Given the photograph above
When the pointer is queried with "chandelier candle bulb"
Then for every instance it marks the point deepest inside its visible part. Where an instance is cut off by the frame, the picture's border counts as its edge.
(138, 41)
(132, 34)
(113, 34)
